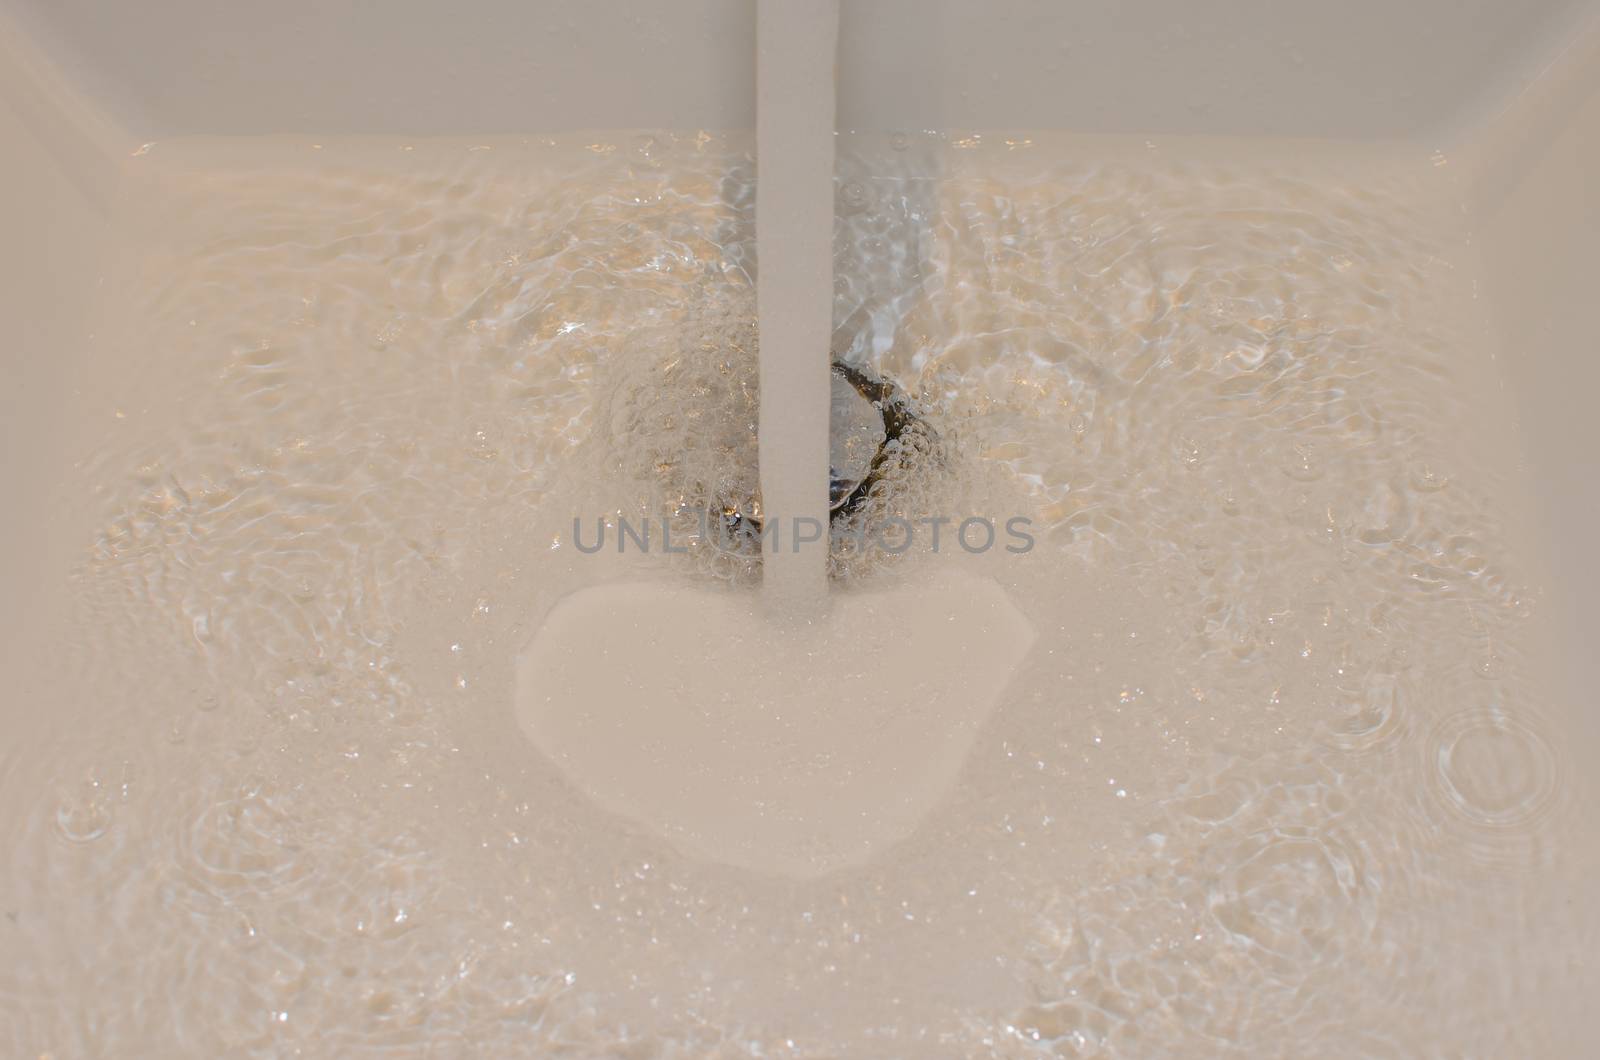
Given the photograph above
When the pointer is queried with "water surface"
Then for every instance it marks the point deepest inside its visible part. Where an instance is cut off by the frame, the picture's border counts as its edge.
(1278, 776)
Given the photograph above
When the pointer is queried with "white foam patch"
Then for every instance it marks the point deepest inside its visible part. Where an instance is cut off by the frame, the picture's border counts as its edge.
(781, 748)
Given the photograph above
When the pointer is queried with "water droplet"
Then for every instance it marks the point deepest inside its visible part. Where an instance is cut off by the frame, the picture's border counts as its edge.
(1492, 769)
(1187, 451)
(854, 196)
(84, 815)
(1301, 465)
(647, 148)
(1498, 778)
(899, 141)
(1372, 716)
(1425, 478)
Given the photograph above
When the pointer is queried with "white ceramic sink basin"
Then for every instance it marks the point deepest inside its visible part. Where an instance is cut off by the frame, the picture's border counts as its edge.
(318, 736)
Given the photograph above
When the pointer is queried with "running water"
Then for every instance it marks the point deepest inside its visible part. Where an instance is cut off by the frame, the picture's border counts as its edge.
(1279, 775)
(794, 239)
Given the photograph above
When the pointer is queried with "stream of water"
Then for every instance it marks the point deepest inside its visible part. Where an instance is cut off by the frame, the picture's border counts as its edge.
(794, 236)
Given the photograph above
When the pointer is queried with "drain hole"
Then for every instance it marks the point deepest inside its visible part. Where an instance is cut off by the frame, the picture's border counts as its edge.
(895, 419)
(871, 422)
(676, 431)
